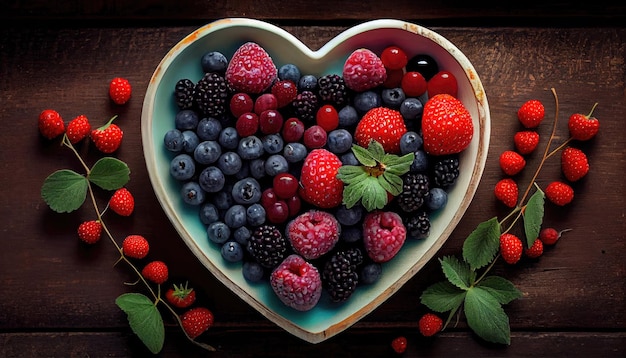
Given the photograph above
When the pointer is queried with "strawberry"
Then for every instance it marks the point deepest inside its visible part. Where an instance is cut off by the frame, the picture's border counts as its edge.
(51, 124)
(251, 69)
(399, 344)
(180, 296)
(506, 191)
(384, 235)
(107, 138)
(559, 193)
(535, 250)
(135, 246)
(318, 181)
(583, 127)
(196, 321)
(155, 271)
(574, 163)
(78, 129)
(90, 231)
(285, 92)
(511, 248)
(531, 113)
(363, 70)
(447, 126)
(384, 125)
(511, 162)
(430, 324)
(120, 90)
(526, 141)
(122, 202)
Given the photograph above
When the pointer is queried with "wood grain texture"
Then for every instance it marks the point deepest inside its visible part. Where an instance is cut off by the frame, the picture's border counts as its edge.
(53, 287)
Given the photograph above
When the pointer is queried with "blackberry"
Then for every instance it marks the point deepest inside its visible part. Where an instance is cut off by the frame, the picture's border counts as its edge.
(418, 226)
(305, 106)
(211, 94)
(414, 190)
(268, 246)
(340, 276)
(184, 93)
(332, 89)
(446, 171)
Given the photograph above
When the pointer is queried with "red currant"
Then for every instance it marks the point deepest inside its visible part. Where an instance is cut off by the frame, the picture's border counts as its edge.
(294, 204)
(241, 103)
(394, 78)
(285, 185)
(285, 92)
(247, 124)
(270, 121)
(442, 82)
(268, 198)
(327, 117)
(413, 84)
(394, 58)
(315, 137)
(265, 102)
(278, 212)
(293, 130)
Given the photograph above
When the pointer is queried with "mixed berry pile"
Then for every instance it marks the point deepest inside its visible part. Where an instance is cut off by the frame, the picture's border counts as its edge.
(313, 181)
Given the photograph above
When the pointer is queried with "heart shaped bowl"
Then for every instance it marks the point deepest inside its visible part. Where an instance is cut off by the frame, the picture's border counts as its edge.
(183, 61)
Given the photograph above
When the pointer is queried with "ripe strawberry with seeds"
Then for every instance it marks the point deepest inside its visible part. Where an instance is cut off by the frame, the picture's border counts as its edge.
(583, 127)
(363, 70)
(196, 321)
(251, 69)
(122, 202)
(318, 180)
(574, 163)
(156, 272)
(511, 248)
(180, 296)
(535, 250)
(107, 138)
(559, 193)
(507, 191)
(531, 113)
(51, 124)
(511, 162)
(78, 129)
(120, 90)
(399, 344)
(384, 125)
(135, 246)
(430, 324)
(384, 235)
(526, 141)
(447, 126)
(90, 231)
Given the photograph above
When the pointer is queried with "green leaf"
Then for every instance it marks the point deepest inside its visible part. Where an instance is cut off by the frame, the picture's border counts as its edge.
(351, 173)
(109, 173)
(374, 196)
(502, 289)
(442, 297)
(482, 245)
(391, 183)
(533, 216)
(398, 165)
(64, 190)
(376, 150)
(363, 156)
(457, 272)
(486, 317)
(144, 319)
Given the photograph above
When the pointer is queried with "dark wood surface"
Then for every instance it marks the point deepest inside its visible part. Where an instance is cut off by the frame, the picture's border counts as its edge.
(57, 295)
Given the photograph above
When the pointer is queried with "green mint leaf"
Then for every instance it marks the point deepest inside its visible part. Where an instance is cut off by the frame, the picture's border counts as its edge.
(482, 245)
(533, 216)
(391, 183)
(363, 156)
(500, 288)
(457, 272)
(442, 297)
(398, 165)
(376, 150)
(64, 190)
(486, 317)
(374, 196)
(144, 319)
(109, 173)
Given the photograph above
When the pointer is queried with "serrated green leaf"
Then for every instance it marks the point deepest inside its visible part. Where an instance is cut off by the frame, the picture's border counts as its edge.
(486, 317)
(351, 173)
(352, 194)
(533, 216)
(373, 195)
(442, 297)
(376, 150)
(363, 156)
(64, 190)
(482, 245)
(457, 272)
(144, 318)
(109, 173)
(391, 183)
(502, 289)
(398, 165)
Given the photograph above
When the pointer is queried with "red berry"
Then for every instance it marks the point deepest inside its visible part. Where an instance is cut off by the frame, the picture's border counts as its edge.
(265, 102)
(394, 58)
(384, 125)
(399, 344)
(506, 191)
(196, 321)
(270, 121)
(297, 283)
(327, 117)
(549, 236)
(384, 235)
(511, 248)
(559, 193)
(313, 233)
(526, 141)
(285, 185)
(90, 231)
(156, 272)
(447, 125)
(511, 162)
(531, 113)
(247, 124)
(394, 78)
(122, 202)
(277, 212)
(293, 130)
(120, 90)
(294, 204)
(285, 92)
(443, 82)
(107, 138)
(251, 69)
(51, 124)
(135, 246)
(241, 103)
(574, 163)
(535, 250)
(363, 70)
(268, 197)
(318, 182)
(315, 137)
(583, 127)
(180, 296)
(78, 129)
(430, 324)
(414, 84)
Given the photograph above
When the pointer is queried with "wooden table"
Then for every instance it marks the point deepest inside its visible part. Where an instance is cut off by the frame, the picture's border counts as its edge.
(57, 295)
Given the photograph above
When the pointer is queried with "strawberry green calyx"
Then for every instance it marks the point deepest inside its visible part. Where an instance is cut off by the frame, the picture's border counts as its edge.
(376, 177)
(107, 124)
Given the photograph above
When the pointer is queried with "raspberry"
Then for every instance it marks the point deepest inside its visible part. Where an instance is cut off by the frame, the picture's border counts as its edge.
(313, 233)
(511, 248)
(531, 113)
(135, 246)
(251, 69)
(559, 193)
(51, 124)
(383, 235)
(285, 92)
(430, 324)
(363, 70)
(511, 162)
(297, 283)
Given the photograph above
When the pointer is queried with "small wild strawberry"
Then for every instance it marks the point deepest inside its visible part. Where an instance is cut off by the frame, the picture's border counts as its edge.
(511, 162)
(196, 321)
(559, 193)
(51, 124)
(511, 248)
(155, 271)
(78, 129)
(430, 324)
(574, 163)
(526, 141)
(120, 90)
(535, 250)
(107, 138)
(531, 113)
(180, 296)
(583, 127)
(506, 191)
(135, 246)
(399, 344)
(122, 202)
(90, 231)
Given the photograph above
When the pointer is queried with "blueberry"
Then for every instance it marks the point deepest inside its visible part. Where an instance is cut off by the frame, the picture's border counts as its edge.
(411, 109)
(252, 271)
(244, 172)
(350, 216)
(231, 251)
(410, 142)
(370, 273)
(350, 234)
(212, 179)
(214, 61)
(209, 129)
(339, 141)
(223, 199)
(186, 119)
(364, 101)
(348, 116)
(273, 143)
(307, 83)
(207, 152)
(420, 162)
(209, 213)
(349, 159)
(392, 97)
(218, 232)
(275, 164)
(173, 140)
(247, 191)
(250, 148)
(182, 167)
(229, 139)
(229, 163)
(190, 141)
(235, 216)
(289, 72)
(242, 235)
(436, 199)
(255, 215)
(257, 168)
(192, 193)
(294, 152)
